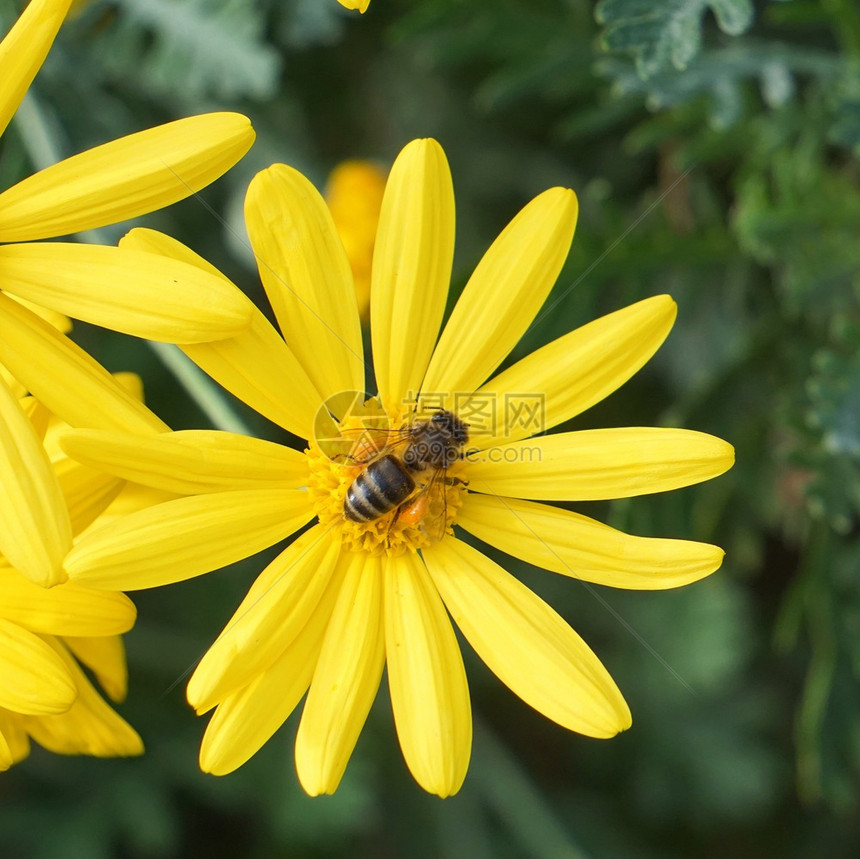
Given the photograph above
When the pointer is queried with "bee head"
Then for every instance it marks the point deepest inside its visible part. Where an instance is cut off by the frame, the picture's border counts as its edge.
(451, 426)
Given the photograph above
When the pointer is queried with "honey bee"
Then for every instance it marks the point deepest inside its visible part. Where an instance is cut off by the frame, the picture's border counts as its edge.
(391, 478)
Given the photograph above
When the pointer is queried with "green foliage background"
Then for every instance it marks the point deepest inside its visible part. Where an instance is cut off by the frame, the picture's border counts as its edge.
(713, 145)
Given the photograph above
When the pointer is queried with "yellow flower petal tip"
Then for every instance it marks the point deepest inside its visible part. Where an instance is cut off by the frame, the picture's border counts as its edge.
(361, 5)
(124, 178)
(23, 50)
(412, 262)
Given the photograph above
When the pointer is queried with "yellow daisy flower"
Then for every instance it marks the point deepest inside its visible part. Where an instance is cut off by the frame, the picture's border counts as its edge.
(111, 183)
(354, 195)
(354, 593)
(46, 632)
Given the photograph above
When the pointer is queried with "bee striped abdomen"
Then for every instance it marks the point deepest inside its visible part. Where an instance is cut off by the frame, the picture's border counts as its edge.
(381, 487)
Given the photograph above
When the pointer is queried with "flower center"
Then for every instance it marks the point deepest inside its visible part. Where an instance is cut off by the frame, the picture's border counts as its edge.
(386, 485)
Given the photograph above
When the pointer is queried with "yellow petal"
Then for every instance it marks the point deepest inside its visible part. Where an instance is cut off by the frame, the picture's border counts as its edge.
(24, 49)
(104, 655)
(346, 678)
(67, 609)
(595, 465)
(252, 365)
(59, 320)
(246, 718)
(154, 242)
(17, 389)
(426, 678)
(361, 5)
(137, 293)
(64, 378)
(131, 499)
(87, 493)
(88, 727)
(504, 294)
(39, 418)
(411, 269)
(33, 679)
(574, 545)
(130, 382)
(307, 278)
(259, 368)
(124, 178)
(569, 375)
(191, 461)
(35, 531)
(36, 413)
(276, 608)
(14, 742)
(180, 539)
(526, 644)
(6, 758)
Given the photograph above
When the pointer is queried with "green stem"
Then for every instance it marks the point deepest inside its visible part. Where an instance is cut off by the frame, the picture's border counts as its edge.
(205, 393)
(813, 603)
(30, 124)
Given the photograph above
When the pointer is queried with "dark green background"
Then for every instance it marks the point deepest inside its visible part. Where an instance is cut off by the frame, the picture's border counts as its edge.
(714, 148)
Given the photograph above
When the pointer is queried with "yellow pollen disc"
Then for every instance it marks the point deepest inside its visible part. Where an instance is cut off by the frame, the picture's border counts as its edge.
(423, 518)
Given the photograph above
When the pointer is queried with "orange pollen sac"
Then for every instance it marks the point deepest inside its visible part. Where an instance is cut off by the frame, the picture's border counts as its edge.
(365, 492)
(413, 513)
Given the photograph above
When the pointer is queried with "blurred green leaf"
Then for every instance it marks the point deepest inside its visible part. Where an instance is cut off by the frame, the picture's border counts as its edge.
(667, 33)
(191, 49)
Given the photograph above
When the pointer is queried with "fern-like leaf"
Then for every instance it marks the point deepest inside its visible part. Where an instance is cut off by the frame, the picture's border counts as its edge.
(196, 48)
(666, 34)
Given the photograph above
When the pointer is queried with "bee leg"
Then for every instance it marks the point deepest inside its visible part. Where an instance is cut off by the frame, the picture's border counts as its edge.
(392, 523)
(450, 481)
(351, 459)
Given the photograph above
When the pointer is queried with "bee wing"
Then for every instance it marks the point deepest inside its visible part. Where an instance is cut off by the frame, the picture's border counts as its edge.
(434, 523)
(363, 445)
